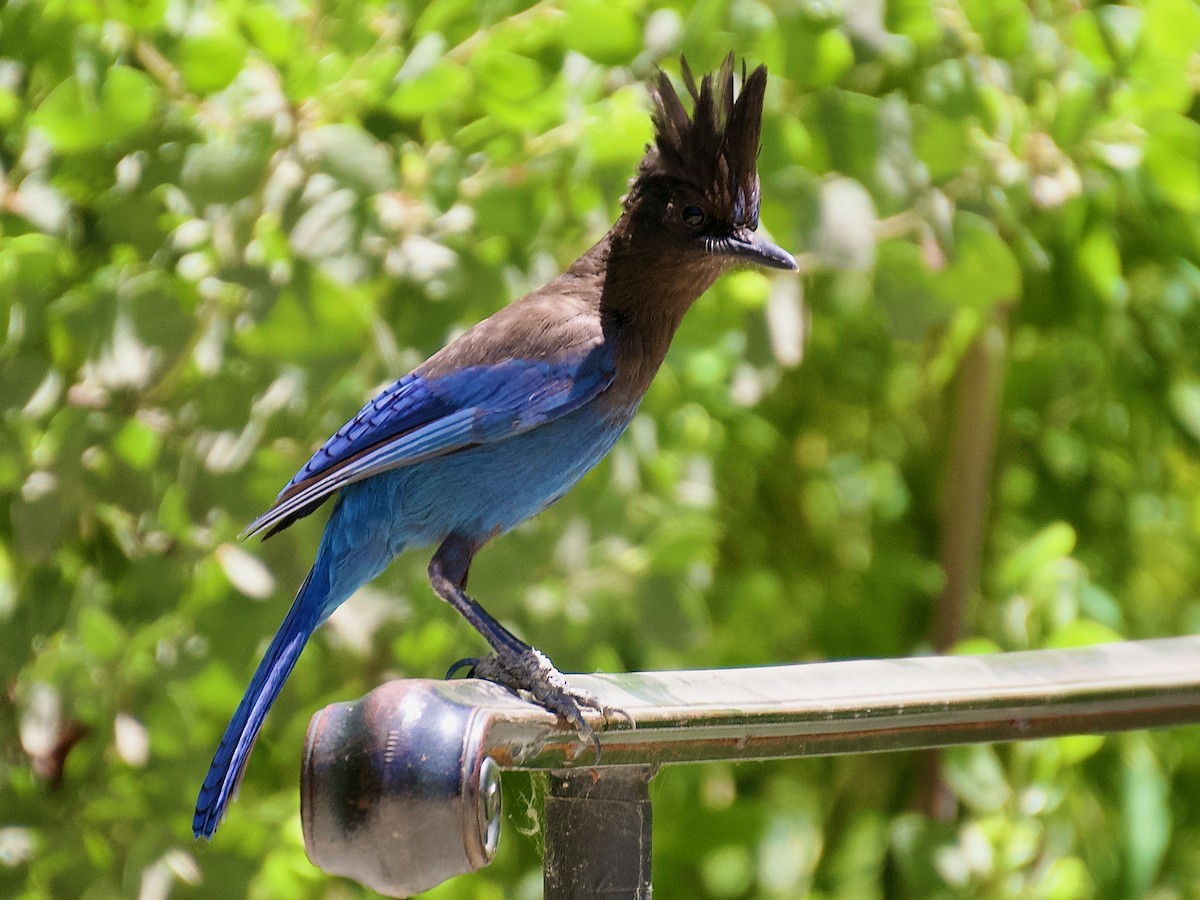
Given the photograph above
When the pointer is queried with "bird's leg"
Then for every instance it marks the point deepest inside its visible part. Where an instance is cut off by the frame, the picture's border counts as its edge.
(514, 663)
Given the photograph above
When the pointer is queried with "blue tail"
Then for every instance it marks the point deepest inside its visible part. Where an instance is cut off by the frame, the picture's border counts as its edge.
(225, 773)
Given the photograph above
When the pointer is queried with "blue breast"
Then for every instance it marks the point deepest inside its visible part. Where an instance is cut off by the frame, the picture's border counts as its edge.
(483, 491)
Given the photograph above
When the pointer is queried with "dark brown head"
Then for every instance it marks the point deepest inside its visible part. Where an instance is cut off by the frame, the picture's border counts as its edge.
(697, 186)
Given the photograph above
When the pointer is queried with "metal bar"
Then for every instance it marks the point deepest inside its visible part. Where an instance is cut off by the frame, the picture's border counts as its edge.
(598, 834)
(856, 706)
(399, 788)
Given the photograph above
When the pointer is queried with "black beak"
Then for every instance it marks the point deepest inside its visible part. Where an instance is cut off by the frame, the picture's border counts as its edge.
(746, 246)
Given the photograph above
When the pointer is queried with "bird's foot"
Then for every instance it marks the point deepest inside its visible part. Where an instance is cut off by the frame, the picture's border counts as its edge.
(532, 674)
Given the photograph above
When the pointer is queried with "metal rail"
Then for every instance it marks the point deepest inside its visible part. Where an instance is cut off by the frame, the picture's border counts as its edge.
(400, 789)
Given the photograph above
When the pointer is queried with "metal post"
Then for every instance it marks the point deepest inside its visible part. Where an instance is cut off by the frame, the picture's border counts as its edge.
(598, 834)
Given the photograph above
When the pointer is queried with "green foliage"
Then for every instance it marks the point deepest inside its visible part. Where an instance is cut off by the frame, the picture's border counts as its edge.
(223, 224)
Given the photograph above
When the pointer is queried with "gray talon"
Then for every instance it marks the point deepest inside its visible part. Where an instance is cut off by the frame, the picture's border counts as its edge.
(532, 673)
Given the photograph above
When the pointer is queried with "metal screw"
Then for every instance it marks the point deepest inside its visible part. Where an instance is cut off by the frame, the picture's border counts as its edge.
(489, 809)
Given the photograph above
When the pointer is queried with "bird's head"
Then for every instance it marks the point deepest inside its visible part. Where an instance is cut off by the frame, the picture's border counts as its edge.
(697, 189)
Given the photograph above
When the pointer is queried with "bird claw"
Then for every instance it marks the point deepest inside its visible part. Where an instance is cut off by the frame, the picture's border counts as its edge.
(531, 673)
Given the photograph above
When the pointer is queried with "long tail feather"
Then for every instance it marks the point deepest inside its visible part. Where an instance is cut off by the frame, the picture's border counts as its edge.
(229, 763)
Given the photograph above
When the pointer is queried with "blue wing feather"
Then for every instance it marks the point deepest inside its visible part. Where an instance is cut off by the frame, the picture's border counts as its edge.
(417, 418)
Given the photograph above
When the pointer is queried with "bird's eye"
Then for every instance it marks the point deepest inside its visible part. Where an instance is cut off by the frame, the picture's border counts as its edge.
(693, 216)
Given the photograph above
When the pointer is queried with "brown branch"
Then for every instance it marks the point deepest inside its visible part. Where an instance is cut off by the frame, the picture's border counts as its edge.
(963, 514)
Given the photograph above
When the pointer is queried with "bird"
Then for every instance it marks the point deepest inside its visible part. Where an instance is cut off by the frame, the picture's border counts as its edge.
(505, 419)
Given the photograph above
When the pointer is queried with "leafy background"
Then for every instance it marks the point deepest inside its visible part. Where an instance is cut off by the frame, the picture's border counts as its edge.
(971, 424)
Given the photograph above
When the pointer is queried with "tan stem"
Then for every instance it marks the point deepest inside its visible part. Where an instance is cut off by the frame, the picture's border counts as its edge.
(963, 513)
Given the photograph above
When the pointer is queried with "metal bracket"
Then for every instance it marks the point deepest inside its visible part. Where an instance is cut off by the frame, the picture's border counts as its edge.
(598, 833)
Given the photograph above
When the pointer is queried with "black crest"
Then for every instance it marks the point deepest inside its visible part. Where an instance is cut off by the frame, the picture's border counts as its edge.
(716, 148)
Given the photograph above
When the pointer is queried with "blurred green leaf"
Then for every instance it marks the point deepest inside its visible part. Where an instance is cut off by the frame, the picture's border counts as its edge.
(1051, 543)
(32, 262)
(1004, 25)
(982, 270)
(227, 170)
(1101, 264)
(209, 62)
(80, 115)
(1078, 747)
(323, 319)
(1185, 402)
(1120, 27)
(977, 778)
(728, 871)
(1146, 816)
(943, 144)
(603, 30)
(821, 57)
(907, 292)
(975, 647)
(270, 31)
(950, 89)
(138, 444)
(439, 87)
(1082, 633)
(140, 14)
(1172, 147)
(101, 635)
(1067, 878)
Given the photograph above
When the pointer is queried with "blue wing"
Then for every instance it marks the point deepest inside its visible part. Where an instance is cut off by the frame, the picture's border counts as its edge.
(417, 418)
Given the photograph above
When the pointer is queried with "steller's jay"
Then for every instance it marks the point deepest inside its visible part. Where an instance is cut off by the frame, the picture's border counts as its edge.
(498, 425)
